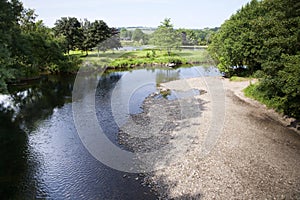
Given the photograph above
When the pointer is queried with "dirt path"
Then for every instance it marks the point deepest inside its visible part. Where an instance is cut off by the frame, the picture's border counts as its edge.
(255, 155)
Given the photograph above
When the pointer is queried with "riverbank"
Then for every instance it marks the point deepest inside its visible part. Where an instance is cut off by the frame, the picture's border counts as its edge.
(124, 60)
(256, 156)
(146, 57)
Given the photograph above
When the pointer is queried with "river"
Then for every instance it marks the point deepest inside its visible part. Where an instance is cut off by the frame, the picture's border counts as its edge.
(41, 153)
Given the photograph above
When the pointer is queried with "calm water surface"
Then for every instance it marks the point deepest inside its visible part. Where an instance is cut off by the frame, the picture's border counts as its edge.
(41, 154)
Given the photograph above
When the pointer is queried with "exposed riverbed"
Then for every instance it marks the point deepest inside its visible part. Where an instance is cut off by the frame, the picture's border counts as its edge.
(41, 153)
(255, 156)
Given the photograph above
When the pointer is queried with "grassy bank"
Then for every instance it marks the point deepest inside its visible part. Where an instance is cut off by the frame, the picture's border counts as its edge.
(252, 91)
(240, 79)
(129, 59)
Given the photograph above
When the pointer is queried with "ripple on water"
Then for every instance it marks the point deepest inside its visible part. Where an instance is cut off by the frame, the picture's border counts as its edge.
(67, 171)
(59, 166)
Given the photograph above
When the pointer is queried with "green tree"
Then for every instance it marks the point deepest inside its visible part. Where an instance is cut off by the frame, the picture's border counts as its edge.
(94, 33)
(263, 38)
(139, 36)
(112, 42)
(125, 34)
(165, 37)
(27, 47)
(189, 37)
(10, 13)
(71, 29)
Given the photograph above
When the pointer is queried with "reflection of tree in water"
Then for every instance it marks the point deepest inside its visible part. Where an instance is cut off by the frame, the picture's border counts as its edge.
(104, 112)
(107, 81)
(163, 76)
(37, 102)
(28, 105)
(13, 146)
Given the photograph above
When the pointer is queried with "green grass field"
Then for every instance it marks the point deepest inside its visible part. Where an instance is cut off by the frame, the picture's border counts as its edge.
(129, 59)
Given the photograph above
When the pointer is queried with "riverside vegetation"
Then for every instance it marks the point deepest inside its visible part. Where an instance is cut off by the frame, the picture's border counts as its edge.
(29, 49)
(262, 40)
(145, 57)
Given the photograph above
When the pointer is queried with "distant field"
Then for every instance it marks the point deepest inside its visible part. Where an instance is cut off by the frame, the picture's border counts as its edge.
(125, 59)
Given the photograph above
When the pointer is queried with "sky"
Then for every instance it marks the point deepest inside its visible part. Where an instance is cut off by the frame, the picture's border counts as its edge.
(148, 13)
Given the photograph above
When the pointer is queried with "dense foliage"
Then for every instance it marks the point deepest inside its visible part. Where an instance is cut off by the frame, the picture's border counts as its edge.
(86, 35)
(27, 47)
(190, 37)
(165, 37)
(197, 37)
(263, 39)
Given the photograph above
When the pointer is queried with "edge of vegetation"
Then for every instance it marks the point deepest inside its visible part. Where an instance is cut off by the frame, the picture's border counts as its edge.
(262, 40)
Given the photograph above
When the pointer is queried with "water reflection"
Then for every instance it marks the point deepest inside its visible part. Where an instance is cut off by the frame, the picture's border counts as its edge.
(13, 163)
(163, 76)
(41, 155)
(20, 114)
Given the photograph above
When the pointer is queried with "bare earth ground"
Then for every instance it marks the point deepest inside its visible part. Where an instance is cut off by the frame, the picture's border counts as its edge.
(255, 155)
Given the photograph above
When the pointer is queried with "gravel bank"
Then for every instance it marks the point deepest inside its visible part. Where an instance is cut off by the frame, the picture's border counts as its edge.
(255, 155)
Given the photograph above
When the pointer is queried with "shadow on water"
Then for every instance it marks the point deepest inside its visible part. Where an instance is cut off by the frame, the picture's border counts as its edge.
(41, 154)
(13, 144)
(20, 114)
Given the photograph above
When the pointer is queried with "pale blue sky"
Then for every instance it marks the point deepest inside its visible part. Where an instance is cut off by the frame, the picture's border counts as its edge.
(124, 13)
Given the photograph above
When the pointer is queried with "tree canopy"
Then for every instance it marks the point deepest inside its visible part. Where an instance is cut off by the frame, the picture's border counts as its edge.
(93, 34)
(112, 41)
(165, 37)
(263, 39)
(28, 48)
(70, 28)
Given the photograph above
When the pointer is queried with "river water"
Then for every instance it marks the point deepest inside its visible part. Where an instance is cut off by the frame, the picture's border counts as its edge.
(40, 150)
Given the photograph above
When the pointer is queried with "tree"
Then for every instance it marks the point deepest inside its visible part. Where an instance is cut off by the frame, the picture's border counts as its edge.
(94, 33)
(263, 38)
(27, 47)
(139, 36)
(70, 28)
(125, 34)
(112, 42)
(10, 13)
(165, 37)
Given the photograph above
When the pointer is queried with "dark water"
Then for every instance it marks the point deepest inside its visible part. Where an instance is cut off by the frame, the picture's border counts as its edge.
(41, 154)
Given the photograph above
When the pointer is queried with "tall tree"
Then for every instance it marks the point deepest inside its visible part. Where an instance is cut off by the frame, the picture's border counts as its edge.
(165, 37)
(262, 38)
(111, 42)
(188, 36)
(98, 32)
(125, 34)
(10, 13)
(139, 36)
(71, 29)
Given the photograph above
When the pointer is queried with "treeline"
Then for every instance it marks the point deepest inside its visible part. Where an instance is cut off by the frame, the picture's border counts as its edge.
(197, 37)
(86, 35)
(28, 48)
(188, 36)
(263, 40)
